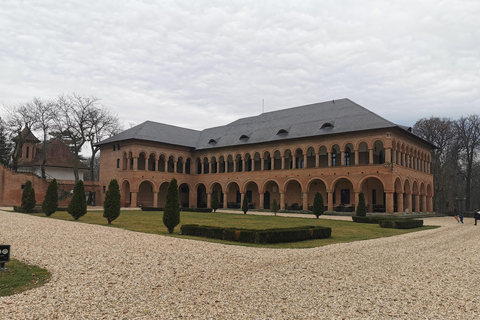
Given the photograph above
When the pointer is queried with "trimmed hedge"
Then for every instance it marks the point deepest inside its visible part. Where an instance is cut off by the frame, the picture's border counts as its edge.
(258, 236)
(151, 209)
(367, 219)
(401, 224)
(197, 209)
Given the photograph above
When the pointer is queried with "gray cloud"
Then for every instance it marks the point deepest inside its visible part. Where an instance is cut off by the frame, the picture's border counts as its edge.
(204, 63)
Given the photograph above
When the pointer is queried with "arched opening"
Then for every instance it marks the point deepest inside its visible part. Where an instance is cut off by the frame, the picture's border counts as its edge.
(201, 196)
(239, 163)
(293, 195)
(252, 194)
(363, 154)
(349, 155)
(267, 161)
(145, 194)
(171, 164)
(257, 162)
(272, 192)
(125, 161)
(277, 165)
(141, 161)
(180, 165)
(221, 164)
(248, 162)
(218, 188)
(161, 163)
(288, 159)
(378, 152)
(299, 159)
(375, 197)
(187, 165)
(323, 157)
(206, 165)
(315, 186)
(214, 165)
(343, 196)
(311, 161)
(162, 194)
(151, 162)
(184, 195)
(233, 196)
(126, 194)
(199, 166)
(230, 163)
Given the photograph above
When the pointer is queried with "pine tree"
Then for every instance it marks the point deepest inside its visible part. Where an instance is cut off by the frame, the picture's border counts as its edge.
(50, 203)
(361, 207)
(215, 202)
(28, 198)
(78, 205)
(111, 206)
(245, 204)
(318, 206)
(171, 214)
(275, 207)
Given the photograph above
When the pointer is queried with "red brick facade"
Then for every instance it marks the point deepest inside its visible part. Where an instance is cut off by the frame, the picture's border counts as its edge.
(390, 167)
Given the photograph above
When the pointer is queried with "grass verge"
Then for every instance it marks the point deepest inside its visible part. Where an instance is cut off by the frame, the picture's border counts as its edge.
(151, 222)
(20, 277)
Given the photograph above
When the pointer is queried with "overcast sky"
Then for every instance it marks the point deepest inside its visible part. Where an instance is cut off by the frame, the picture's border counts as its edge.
(200, 64)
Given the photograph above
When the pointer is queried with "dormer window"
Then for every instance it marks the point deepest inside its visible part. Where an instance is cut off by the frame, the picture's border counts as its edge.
(212, 141)
(244, 137)
(282, 131)
(326, 125)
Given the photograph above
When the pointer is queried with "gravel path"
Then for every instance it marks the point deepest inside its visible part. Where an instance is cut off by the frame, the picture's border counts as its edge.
(108, 273)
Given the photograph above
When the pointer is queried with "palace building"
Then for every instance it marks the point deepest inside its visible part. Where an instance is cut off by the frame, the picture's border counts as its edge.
(337, 148)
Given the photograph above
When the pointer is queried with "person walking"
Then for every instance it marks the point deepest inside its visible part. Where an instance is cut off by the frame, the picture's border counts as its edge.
(460, 216)
(476, 215)
(456, 215)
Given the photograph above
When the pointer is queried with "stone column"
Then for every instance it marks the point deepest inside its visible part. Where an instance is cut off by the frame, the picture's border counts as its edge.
(417, 202)
(409, 202)
(330, 200)
(262, 164)
(305, 201)
(175, 163)
(135, 164)
(262, 200)
(400, 202)
(282, 201)
(225, 200)
(424, 203)
(155, 199)
(283, 163)
(388, 155)
(133, 204)
(394, 156)
(389, 201)
(329, 159)
(357, 160)
(429, 204)
(317, 160)
(370, 156)
(272, 163)
(209, 200)
(305, 160)
(342, 158)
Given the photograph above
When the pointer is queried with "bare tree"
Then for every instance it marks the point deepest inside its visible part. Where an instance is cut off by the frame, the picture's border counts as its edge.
(468, 139)
(5, 145)
(44, 113)
(18, 119)
(441, 132)
(102, 125)
(72, 122)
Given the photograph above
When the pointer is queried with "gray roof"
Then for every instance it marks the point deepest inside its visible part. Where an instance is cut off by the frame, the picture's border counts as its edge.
(325, 118)
(157, 132)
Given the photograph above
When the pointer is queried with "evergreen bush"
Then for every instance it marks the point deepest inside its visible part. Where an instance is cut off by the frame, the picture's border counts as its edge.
(215, 202)
(275, 207)
(361, 207)
(78, 205)
(171, 215)
(28, 197)
(245, 204)
(111, 206)
(50, 203)
(318, 206)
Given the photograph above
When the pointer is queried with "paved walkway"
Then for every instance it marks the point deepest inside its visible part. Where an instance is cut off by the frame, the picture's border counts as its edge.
(108, 273)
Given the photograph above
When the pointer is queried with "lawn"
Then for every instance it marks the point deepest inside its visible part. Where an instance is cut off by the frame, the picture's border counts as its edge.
(20, 277)
(151, 222)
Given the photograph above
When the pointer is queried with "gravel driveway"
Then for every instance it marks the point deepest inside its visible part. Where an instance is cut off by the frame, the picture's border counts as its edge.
(108, 273)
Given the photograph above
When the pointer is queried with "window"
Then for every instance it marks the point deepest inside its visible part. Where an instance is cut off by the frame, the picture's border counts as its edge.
(334, 159)
(28, 151)
(118, 146)
(118, 163)
(104, 188)
(347, 158)
(374, 196)
(113, 147)
(345, 196)
(282, 131)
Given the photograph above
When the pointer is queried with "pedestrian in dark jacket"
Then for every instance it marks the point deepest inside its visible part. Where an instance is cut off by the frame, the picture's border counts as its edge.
(476, 215)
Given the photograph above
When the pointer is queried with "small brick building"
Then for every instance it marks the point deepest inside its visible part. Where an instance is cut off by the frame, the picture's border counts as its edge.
(337, 148)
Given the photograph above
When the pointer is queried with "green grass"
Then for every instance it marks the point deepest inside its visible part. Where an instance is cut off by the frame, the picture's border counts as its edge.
(151, 222)
(20, 277)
